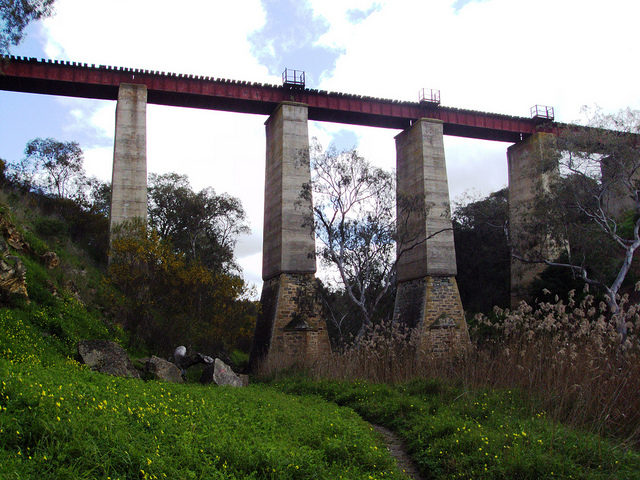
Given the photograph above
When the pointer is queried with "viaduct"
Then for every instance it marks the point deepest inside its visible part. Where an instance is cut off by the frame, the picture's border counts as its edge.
(290, 325)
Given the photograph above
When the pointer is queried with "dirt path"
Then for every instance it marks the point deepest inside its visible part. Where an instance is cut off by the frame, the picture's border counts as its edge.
(396, 449)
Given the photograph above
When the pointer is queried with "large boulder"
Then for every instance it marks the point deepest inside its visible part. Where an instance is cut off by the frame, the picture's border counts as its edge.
(221, 374)
(106, 357)
(160, 369)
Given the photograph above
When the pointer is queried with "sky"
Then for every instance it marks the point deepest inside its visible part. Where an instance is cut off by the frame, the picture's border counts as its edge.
(501, 56)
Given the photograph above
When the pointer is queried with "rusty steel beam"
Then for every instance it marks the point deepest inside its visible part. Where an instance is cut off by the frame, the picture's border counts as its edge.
(53, 77)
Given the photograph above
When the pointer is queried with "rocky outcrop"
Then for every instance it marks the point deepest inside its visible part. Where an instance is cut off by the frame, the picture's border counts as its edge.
(106, 357)
(157, 368)
(12, 236)
(13, 274)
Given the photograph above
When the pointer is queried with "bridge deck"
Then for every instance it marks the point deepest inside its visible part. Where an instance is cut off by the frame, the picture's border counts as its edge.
(89, 81)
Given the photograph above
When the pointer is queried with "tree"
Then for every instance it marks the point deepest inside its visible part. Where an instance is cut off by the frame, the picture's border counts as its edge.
(592, 208)
(482, 252)
(170, 300)
(354, 220)
(201, 224)
(354, 216)
(99, 196)
(56, 168)
(15, 15)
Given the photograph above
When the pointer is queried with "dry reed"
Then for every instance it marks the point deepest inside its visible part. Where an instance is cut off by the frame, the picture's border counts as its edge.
(567, 357)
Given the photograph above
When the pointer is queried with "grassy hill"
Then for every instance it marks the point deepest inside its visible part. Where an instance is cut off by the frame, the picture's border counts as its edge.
(60, 420)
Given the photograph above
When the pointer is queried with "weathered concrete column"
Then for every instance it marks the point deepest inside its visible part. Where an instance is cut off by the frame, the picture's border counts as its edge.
(129, 180)
(427, 297)
(533, 163)
(289, 328)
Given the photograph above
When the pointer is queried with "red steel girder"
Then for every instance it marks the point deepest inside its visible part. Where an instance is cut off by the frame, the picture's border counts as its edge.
(73, 79)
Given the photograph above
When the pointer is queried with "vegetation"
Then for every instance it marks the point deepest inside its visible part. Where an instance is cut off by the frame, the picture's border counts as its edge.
(169, 299)
(58, 419)
(590, 210)
(548, 391)
(202, 225)
(15, 15)
(68, 422)
(482, 252)
(355, 223)
(455, 433)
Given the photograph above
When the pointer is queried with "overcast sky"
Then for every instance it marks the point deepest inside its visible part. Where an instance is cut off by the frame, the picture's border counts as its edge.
(492, 55)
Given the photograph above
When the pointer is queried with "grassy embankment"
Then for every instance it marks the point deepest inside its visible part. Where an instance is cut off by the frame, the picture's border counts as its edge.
(60, 420)
(455, 433)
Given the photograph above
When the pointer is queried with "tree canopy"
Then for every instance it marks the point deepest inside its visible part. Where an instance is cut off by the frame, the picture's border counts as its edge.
(15, 15)
(354, 220)
(203, 225)
(482, 252)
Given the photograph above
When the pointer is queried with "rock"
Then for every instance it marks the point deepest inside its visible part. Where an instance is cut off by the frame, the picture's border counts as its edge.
(12, 236)
(50, 260)
(105, 356)
(13, 276)
(160, 369)
(223, 375)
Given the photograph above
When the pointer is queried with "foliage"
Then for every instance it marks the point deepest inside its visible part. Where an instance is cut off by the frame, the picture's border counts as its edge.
(15, 15)
(169, 300)
(51, 166)
(355, 222)
(482, 252)
(202, 225)
(455, 433)
(587, 202)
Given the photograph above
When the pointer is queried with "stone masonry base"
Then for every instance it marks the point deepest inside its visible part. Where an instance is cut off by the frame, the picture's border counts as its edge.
(289, 328)
(432, 306)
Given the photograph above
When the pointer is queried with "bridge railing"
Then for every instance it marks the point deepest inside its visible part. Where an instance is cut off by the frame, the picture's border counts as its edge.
(293, 78)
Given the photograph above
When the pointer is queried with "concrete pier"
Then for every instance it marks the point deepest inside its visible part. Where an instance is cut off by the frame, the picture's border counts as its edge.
(289, 328)
(533, 163)
(427, 297)
(129, 181)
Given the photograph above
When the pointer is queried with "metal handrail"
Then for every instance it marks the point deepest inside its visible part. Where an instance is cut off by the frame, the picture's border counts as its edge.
(429, 95)
(293, 78)
(542, 111)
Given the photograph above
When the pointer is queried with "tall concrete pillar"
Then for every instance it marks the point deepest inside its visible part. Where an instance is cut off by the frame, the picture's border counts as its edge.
(129, 177)
(427, 296)
(533, 163)
(289, 328)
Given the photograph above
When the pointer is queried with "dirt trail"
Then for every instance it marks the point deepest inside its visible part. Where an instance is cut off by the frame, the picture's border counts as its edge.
(397, 450)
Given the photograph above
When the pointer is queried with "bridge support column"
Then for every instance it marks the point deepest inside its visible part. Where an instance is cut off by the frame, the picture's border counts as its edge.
(289, 328)
(427, 298)
(533, 163)
(129, 180)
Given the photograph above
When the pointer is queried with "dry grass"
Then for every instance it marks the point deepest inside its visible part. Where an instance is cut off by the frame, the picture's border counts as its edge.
(567, 357)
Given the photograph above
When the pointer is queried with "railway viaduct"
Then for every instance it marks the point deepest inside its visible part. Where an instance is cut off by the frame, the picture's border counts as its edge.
(289, 325)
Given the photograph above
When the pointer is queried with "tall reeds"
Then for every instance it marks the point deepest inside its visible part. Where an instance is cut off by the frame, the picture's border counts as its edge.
(566, 356)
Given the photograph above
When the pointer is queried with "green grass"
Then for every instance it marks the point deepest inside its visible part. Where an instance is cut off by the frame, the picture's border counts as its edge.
(65, 421)
(58, 419)
(453, 433)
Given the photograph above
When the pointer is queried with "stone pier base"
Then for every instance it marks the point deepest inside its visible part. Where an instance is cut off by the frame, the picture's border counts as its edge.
(432, 306)
(290, 329)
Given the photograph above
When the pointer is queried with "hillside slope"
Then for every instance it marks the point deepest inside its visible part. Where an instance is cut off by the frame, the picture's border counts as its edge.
(58, 419)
